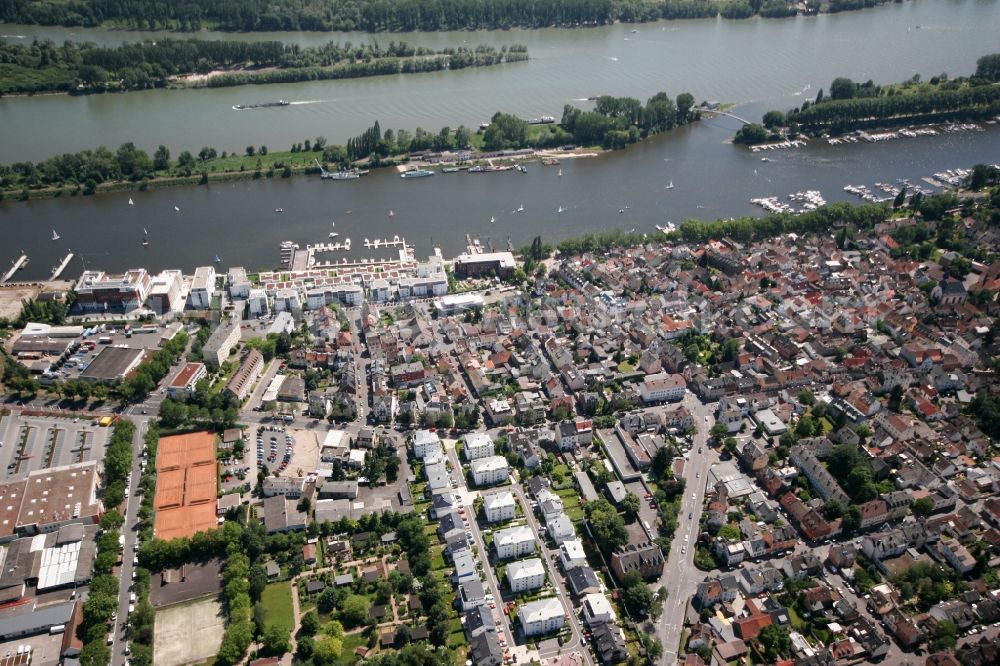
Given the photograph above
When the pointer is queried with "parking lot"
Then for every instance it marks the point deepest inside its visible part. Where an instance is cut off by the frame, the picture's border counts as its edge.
(32, 443)
(275, 448)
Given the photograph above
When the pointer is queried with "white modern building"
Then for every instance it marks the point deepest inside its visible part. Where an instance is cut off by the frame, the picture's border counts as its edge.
(561, 528)
(287, 299)
(478, 445)
(514, 542)
(542, 617)
(525, 575)
(221, 342)
(166, 292)
(661, 386)
(571, 554)
(499, 506)
(202, 288)
(238, 283)
(597, 610)
(426, 442)
(257, 302)
(489, 471)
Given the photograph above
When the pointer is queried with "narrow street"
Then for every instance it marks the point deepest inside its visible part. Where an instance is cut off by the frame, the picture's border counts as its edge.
(681, 577)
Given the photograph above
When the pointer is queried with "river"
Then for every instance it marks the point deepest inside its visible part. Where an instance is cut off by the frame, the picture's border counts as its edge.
(760, 64)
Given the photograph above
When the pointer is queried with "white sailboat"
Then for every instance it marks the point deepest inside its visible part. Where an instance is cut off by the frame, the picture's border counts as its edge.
(55, 236)
(669, 185)
(493, 219)
(391, 214)
(560, 172)
(130, 202)
(520, 209)
(177, 209)
(560, 210)
(145, 237)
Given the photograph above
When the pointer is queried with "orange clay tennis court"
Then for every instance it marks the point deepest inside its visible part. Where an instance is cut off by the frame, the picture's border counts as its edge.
(186, 485)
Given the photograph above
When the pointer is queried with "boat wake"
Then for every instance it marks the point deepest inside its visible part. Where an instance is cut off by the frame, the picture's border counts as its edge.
(13, 36)
(311, 101)
(799, 93)
(611, 58)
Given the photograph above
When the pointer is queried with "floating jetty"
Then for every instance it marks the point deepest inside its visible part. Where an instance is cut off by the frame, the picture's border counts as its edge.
(385, 242)
(61, 266)
(16, 265)
(780, 145)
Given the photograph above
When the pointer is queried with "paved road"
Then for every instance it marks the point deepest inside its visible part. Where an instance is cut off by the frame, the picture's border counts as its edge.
(681, 577)
(130, 529)
(551, 558)
(467, 498)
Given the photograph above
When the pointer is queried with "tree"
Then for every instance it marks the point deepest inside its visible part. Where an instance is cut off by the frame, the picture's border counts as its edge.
(944, 636)
(275, 640)
(900, 199)
(833, 509)
(922, 507)
(354, 610)
(636, 596)
(662, 460)
(685, 101)
(606, 525)
(719, 431)
(327, 651)
(775, 641)
(750, 134)
(327, 600)
(773, 119)
(630, 505)
(310, 624)
(161, 158)
(842, 88)
(851, 520)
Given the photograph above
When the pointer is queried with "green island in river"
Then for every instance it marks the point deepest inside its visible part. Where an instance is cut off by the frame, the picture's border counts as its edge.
(854, 106)
(82, 68)
(381, 16)
(614, 123)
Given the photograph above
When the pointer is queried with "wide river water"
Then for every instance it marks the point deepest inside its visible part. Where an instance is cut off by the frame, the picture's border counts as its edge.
(759, 64)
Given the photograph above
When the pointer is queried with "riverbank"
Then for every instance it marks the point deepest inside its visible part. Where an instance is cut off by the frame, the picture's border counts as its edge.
(288, 164)
(86, 68)
(419, 15)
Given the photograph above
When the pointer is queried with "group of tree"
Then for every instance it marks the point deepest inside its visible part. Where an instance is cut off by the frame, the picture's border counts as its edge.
(102, 600)
(217, 409)
(618, 121)
(145, 378)
(44, 66)
(606, 525)
(853, 105)
(639, 600)
(383, 16)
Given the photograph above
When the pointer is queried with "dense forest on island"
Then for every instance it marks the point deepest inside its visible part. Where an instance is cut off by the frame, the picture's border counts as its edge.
(44, 66)
(385, 15)
(614, 123)
(851, 105)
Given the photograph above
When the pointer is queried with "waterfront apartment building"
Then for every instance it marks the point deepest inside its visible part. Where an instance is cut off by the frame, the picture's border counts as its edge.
(514, 542)
(257, 302)
(202, 288)
(542, 617)
(489, 471)
(166, 292)
(500, 264)
(221, 342)
(525, 575)
(97, 291)
(238, 283)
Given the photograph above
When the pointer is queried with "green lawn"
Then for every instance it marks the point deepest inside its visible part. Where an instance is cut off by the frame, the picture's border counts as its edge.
(350, 642)
(277, 603)
(626, 368)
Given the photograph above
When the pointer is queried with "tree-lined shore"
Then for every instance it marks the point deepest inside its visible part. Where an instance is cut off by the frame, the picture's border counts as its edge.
(82, 68)
(614, 123)
(852, 105)
(385, 16)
